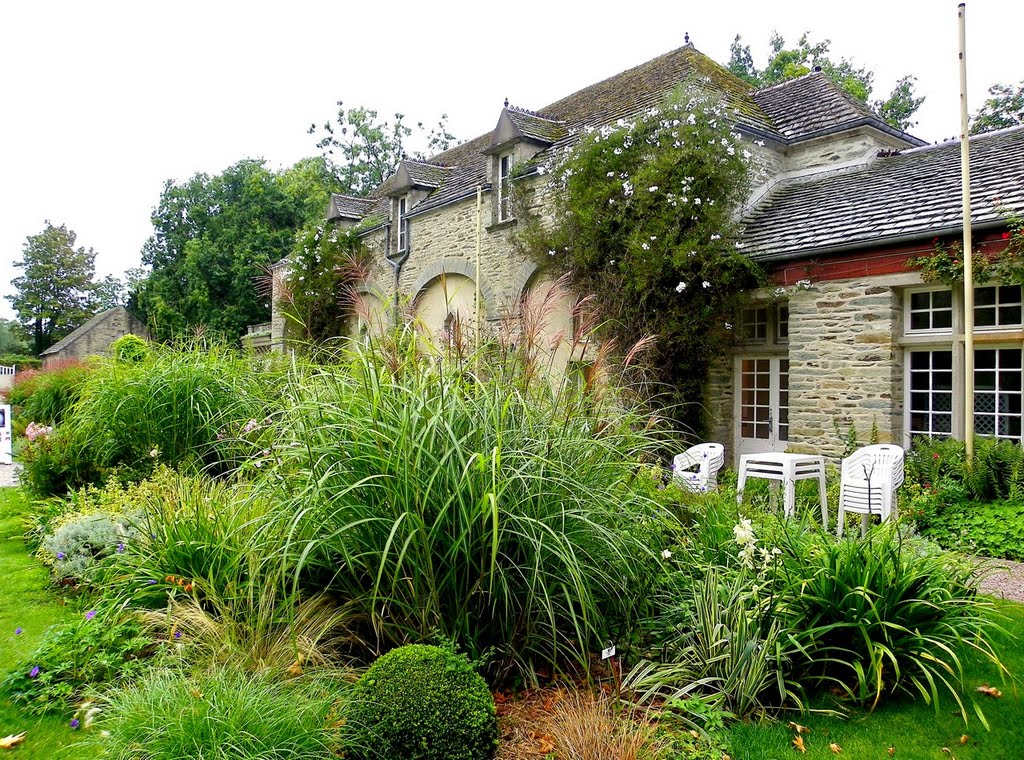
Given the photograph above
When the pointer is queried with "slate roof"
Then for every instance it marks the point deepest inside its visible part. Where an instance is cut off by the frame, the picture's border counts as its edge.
(74, 335)
(629, 93)
(536, 126)
(348, 207)
(812, 104)
(914, 194)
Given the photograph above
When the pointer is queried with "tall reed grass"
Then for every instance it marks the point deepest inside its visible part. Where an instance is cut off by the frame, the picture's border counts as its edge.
(439, 501)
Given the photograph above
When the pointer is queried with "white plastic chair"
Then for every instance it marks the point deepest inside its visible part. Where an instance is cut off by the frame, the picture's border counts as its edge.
(696, 469)
(868, 483)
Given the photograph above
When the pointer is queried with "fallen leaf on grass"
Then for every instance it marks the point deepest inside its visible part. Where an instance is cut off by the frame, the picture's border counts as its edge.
(798, 728)
(891, 750)
(990, 691)
(12, 740)
(964, 738)
(836, 749)
(798, 742)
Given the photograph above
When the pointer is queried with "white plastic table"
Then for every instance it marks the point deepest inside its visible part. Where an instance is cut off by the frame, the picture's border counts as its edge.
(787, 468)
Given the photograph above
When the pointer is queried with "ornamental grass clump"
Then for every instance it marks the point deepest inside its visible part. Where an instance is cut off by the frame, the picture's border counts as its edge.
(223, 714)
(433, 500)
(421, 702)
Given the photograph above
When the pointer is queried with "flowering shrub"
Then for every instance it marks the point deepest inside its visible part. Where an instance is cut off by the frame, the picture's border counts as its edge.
(34, 430)
(643, 222)
(89, 651)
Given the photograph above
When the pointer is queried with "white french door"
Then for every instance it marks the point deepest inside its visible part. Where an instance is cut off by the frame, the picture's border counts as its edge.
(762, 404)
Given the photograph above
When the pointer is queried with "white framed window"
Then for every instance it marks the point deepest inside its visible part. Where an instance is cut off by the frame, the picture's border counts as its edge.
(764, 324)
(934, 404)
(504, 180)
(997, 307)
(997, 392)
(930, 393)
(403, 224)
(929, 311)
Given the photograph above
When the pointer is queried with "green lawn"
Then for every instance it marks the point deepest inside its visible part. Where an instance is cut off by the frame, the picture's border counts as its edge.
(912, 728)
(26, 602)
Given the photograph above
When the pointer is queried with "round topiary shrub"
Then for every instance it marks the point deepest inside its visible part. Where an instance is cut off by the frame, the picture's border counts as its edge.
(129, 349)
(422, 702)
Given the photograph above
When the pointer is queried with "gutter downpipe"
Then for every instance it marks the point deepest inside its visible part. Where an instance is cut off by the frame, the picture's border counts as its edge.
(968, 252)
(479, 204)
(396, 265)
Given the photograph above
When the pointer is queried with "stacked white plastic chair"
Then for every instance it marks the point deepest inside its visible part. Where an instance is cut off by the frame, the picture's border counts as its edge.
(868, 483)
(696, 469)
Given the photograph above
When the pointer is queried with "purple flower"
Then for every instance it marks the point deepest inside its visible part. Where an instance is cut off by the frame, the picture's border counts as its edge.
(90, 614)
(177, 634)
(151, 582)
(34, 672)
(60, 555)
(74, 723)
(120, 548)
(17, 631)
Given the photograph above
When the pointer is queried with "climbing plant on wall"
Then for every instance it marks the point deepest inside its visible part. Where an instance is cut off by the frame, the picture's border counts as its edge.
(644, 223)
(945, 263)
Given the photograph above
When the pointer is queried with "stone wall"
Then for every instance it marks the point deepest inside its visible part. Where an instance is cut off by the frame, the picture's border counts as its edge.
(845, 364)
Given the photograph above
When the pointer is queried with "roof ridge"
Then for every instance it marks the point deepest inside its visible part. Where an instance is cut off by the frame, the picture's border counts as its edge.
(787, 82)
(956, 140)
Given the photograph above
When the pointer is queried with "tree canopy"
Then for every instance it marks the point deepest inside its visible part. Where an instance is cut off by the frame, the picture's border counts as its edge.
(215, 238)
(56, 293)
(1003, 108)
(789, 63)
(362, 152)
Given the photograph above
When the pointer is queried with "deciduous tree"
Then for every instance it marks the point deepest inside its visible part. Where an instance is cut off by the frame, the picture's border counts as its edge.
(214, 238)
(55, 292)
(363, 152)
(1003, 108)
(789, 63)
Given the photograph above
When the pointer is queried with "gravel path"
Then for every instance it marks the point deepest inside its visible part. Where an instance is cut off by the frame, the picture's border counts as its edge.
(1004, 579)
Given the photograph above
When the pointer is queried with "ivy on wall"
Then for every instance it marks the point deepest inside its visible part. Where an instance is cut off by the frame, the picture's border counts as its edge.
(643, 223)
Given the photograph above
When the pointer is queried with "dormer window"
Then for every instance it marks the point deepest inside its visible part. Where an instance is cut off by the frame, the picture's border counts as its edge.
(504, 187)
(403, 224)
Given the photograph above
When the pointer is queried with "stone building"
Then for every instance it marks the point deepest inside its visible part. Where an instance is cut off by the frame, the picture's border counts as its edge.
(849, 336)
(95, 336)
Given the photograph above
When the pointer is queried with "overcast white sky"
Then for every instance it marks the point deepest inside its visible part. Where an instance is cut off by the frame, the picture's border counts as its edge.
(102, 101)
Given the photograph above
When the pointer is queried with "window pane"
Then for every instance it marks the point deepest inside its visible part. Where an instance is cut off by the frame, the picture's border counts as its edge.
(984, 296)
(942, 299)
(985, 316)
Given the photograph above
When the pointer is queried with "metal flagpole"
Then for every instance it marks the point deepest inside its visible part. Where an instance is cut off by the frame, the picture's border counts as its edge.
(968, 253)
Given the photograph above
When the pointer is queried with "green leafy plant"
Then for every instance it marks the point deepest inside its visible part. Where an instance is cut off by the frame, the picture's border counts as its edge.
(945, 263)
(129, 349)
(88, 652)
(879, 616)
(223, 714)
(421, 702)
(46, 396)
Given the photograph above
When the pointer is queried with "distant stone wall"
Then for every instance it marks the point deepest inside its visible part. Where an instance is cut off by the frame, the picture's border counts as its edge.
(96, 341)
